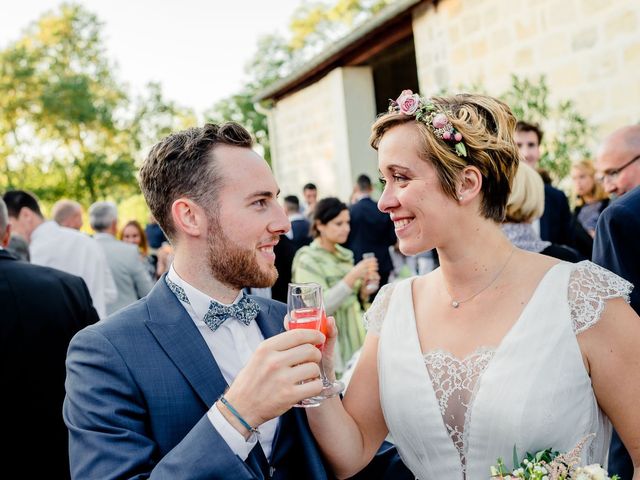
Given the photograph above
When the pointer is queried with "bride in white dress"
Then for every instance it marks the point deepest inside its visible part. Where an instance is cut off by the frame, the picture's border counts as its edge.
(496, 348)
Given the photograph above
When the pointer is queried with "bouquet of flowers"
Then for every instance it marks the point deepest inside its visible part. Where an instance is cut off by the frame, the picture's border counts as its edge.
(551, 465)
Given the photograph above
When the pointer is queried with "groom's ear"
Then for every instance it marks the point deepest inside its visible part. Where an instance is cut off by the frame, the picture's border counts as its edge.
(189, 218)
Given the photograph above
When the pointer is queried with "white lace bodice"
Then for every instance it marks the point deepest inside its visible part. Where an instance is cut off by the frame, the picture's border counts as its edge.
(455, 382)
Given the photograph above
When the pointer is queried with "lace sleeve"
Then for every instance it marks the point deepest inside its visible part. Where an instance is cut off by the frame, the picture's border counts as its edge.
(374, 317)
(589, 287)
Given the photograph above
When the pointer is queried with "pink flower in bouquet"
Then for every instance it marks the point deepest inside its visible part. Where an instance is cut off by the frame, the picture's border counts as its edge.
(408, 102)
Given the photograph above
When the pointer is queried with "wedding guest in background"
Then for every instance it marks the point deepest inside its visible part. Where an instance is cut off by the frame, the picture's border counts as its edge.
(330, 265)
(590, 201)
(165, 257)
(300, 233)
(127, 268)
(133, 233)
(67, 213)
(19, 248)
(284, 251)
(526, 204)
(310, 195)
(617, 234)
(370, 229)
(155, 235)
(63, 248)
(40, 310)
(554, 225)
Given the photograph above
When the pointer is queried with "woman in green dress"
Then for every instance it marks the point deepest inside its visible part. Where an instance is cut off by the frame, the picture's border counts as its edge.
(331, 265)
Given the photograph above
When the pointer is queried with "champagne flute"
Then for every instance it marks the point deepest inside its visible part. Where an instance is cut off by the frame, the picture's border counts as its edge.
(372, 285)
(304, 309)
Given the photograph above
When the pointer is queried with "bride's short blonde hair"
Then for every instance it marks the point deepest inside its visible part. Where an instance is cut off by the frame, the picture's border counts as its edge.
(487, 126)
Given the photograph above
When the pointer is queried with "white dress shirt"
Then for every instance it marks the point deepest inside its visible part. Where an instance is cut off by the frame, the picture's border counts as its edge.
(231, 345)
(74, 252)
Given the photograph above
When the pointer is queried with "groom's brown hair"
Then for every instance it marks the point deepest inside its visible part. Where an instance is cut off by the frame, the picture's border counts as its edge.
(183, 165)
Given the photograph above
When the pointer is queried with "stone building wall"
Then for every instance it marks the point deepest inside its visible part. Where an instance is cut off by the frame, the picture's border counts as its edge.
(319, 134)
(589, 51)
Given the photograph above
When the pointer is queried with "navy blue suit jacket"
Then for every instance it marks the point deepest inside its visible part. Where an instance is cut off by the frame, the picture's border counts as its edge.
(371, 231)
(555, 223)
(139, 385)
(616, 249)
(617, 241)
(41, 309)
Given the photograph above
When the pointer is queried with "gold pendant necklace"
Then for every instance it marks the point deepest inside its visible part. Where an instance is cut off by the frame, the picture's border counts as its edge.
(457, 303)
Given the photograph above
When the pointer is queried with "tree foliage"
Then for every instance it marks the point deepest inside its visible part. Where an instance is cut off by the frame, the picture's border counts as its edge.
(68, 126)
(567, 133)
(313, 26)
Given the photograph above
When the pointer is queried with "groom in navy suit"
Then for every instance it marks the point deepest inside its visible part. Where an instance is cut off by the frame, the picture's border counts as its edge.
(196, 380)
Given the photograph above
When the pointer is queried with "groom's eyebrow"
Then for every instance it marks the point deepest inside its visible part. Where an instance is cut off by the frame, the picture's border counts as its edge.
(263, 194)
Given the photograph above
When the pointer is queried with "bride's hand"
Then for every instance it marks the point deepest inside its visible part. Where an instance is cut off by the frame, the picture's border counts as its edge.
(329, 348)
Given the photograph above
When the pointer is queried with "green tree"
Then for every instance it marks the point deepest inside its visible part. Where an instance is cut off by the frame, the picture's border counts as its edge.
(68, 128)
(313, 26)
(567, 133)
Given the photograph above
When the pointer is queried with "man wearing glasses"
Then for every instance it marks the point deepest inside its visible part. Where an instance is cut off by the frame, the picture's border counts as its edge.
(618, 235)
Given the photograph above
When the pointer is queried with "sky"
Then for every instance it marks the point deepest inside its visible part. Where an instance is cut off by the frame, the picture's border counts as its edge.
(196, 49)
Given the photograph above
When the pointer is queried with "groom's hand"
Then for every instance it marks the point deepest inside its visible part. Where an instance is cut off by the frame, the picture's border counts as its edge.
(282, 371)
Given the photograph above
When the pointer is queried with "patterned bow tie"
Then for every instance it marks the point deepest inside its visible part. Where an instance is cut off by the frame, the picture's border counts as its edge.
(246, 310)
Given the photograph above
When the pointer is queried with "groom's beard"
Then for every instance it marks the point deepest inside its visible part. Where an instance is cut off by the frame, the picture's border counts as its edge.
(235, 266)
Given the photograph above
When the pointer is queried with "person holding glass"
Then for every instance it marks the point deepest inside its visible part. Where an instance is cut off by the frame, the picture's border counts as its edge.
(330, 265)
(496, 349)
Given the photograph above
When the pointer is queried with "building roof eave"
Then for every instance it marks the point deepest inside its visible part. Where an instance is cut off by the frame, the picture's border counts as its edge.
(332, 56)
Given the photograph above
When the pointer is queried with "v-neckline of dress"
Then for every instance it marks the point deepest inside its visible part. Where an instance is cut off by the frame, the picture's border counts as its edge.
(495, 348)
(505, 339)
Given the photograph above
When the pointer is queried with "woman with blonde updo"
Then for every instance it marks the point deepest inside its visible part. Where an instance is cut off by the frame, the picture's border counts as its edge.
(526, 204)
(496, 348)
(590, 200)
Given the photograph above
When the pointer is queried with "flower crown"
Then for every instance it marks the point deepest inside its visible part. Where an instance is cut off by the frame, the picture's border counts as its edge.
(425, 111)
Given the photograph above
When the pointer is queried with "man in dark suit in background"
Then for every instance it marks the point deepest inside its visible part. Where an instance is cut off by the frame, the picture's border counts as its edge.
(618, 236)
(371, 230)
(556, 220)
(40, 310)
(300, 233)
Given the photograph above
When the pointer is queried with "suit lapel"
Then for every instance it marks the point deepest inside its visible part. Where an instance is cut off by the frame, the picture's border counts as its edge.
(175, 331)
(268, 326)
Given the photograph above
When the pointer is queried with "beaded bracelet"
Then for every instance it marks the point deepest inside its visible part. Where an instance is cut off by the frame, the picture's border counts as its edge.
(235, 413)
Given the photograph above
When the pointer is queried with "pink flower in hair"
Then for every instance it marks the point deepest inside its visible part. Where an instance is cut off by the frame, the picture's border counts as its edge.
(439, 121)
(408, 102)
